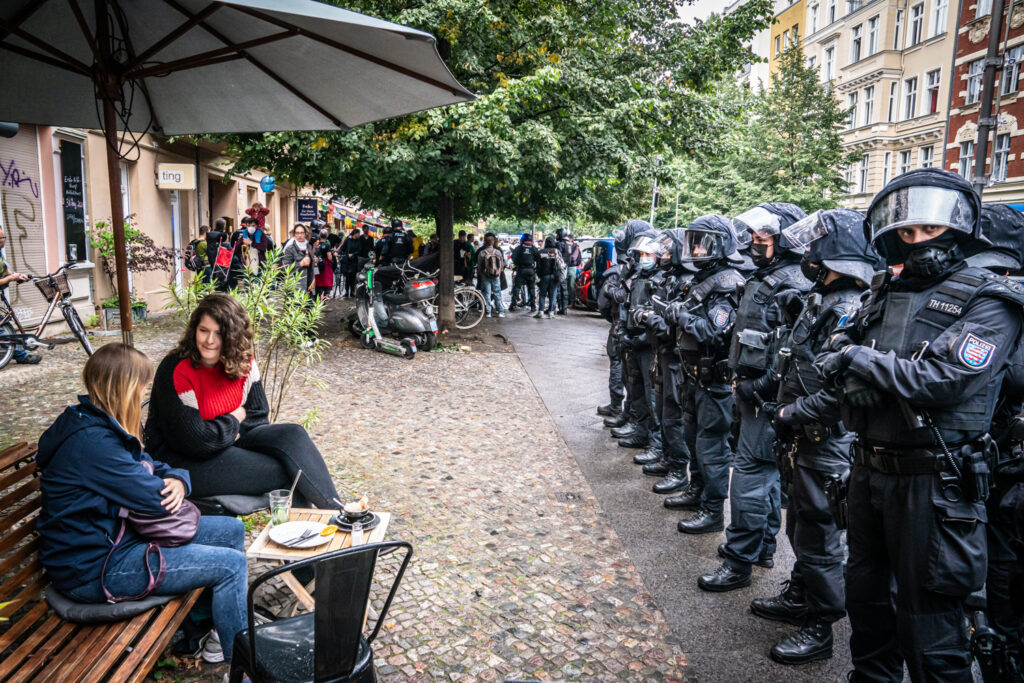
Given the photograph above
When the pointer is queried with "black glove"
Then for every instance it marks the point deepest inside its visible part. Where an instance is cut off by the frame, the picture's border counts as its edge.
(860, 394)
(672, 312)
(791, 302)
(771, 409)
(832, 364)
(745, 390)
(652, 319)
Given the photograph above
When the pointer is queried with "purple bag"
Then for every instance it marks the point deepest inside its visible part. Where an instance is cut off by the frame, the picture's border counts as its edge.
(168, 531)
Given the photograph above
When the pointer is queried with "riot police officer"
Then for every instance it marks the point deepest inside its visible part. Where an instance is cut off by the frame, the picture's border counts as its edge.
(755, 503)
(919, 373)
(705, 319)
(815, 449)
(524, 260)
(670, 284)
(396, 246)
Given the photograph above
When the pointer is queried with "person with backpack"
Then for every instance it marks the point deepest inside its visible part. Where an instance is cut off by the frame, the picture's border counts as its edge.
(524, 260)
(490, 264)
(195, 255)
(549, 267)
(223, 267)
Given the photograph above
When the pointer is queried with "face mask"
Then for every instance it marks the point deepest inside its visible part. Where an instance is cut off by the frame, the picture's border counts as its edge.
(251, 229)
(759, 255)
(646, 262)
(931, 258)
(811, 271)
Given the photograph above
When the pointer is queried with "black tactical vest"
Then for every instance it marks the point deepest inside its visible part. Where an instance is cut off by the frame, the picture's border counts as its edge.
(745, 357)
(907, 323)
(819, 317)
(700, 298)
(640, 291)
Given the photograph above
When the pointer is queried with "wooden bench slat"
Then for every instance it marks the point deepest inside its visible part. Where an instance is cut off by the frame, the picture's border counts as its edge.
(16, 475)
(12, 538)
(24, 623)
(39, 658)
(21, 513)
(13, 454)
(106, 635)
(137, 664)
(17, 580)
(20, 493)
(110, 656)
(31, 590)
(16, 558)
(81, 645)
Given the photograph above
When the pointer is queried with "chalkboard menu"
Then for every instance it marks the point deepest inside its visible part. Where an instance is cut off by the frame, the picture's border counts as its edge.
(73, 200)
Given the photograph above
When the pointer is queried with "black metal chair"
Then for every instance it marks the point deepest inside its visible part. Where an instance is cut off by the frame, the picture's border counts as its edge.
(327, 645)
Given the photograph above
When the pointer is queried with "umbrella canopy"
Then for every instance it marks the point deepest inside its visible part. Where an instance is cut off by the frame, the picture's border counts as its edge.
(194, 66)
(235, 66)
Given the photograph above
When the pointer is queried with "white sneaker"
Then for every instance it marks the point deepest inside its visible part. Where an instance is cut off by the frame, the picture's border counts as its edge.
(212, 650)
(501, 315)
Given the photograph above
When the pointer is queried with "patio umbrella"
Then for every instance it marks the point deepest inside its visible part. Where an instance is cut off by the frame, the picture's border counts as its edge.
(175, 67)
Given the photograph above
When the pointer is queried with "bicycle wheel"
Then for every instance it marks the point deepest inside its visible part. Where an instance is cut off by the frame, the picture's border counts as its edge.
(469, 308)
(77, 328)
(6, 350)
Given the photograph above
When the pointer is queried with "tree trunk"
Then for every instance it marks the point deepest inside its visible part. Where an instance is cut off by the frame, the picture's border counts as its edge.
(444, 223)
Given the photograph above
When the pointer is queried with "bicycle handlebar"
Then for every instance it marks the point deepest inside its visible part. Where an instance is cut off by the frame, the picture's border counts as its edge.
(63, 267)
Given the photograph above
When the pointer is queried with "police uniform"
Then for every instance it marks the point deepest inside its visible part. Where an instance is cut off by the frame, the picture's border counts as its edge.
(609, 308)
(638, 362)
(524, 259)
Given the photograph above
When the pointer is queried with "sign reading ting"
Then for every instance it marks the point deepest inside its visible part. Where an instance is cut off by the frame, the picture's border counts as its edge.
(176, 176)
(306, 210)
(73, 199)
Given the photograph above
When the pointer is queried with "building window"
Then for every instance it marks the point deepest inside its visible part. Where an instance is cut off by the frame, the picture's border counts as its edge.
(984, 8)
(925, 157)
(785, 40)
(886, 164)
(862, 176)
(1002, 155)
(872, 35)
(830, 63)
(814, 18)
(932, 96)
(812, 62)
(869, 105)
(848, 175)
(939, 17)
(975, 72)
(1011, 69)
(778, 42)
(910, 98)
(851, 103)
(853, 5)
(892, 102)
(831, 11)
(916, 23)
(967, 159)
(796, 35)
(904, 162)
(855, 40)
(897, 36)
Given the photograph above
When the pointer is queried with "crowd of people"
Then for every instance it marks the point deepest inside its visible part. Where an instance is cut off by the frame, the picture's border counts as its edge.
(866, 373)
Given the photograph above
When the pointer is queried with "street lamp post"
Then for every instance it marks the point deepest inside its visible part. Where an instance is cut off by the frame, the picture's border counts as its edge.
(654, 195)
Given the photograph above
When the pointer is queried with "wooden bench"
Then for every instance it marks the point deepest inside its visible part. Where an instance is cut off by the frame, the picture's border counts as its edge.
(36, 644)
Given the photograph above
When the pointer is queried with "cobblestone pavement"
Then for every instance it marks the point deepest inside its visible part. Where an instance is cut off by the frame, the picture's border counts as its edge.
(517, 572)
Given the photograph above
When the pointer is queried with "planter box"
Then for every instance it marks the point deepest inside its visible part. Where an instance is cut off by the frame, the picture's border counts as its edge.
(112, 316)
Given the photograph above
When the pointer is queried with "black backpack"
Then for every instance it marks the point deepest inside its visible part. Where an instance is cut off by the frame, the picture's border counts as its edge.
(193, 261)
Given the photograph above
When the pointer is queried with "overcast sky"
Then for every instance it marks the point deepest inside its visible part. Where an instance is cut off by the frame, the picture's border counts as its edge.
(700, 9)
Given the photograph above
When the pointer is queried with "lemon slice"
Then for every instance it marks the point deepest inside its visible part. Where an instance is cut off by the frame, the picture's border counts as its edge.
(328, 530)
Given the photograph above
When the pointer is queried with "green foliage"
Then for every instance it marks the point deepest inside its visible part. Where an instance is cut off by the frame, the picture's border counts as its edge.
(786, 146)
(143, 253)
(255, 521)
(92, 320)
(114, 302)
(184, 298)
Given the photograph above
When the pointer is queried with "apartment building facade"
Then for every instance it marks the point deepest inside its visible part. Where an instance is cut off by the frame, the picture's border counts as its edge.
(786, 32)
(1005, 159)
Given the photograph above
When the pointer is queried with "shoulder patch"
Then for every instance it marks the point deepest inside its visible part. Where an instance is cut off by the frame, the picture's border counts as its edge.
(975, 352)
(720, 318)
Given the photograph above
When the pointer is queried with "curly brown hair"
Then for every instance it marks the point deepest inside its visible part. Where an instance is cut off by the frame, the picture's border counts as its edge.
(235, 333)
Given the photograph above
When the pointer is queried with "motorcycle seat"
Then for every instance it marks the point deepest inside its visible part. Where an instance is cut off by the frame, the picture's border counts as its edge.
(395, 298)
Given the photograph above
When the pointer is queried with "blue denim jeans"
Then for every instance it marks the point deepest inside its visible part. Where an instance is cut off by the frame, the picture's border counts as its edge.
(491, 288)
(214, 559)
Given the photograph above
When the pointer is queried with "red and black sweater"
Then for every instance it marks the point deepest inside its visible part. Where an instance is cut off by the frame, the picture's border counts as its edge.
(189, 410)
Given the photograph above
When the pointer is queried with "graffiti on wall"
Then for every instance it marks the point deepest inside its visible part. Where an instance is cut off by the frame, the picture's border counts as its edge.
(19, 195)
(13, 177)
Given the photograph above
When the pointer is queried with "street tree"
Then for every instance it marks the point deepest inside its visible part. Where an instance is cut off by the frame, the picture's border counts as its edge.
(574, 99)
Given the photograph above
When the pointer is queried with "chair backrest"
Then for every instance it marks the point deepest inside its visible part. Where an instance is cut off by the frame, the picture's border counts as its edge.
(343, 582)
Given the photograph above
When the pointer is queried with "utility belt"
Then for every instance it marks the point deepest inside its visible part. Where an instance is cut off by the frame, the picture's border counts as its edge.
(902, 461)
(965, 469)
(706, 370)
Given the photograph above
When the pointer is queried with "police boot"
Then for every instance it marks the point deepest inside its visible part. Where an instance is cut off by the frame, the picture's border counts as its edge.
(646, 457)
(634, 441)
(789, 606)
(657, 468)
(674, 481)
(628, 429)
(617, 420)
(704, 522)
(763, 560)
(607, 410)
(723, 579)
(688, 499)
(809, 644)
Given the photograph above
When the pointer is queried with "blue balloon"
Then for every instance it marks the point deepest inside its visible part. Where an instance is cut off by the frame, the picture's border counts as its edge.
(267, 183)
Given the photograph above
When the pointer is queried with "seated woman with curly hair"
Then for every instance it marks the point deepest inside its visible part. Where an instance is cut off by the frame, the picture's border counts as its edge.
(208, 415)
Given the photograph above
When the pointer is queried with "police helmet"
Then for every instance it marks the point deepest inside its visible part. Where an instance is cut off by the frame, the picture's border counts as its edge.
(834, 239)
(625, 235)
(560, 234)
(768, 219)
(1003, 226)
(925, 196)
(708, 239)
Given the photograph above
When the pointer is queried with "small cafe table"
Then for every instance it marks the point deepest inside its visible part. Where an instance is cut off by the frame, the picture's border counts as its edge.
(265, 549)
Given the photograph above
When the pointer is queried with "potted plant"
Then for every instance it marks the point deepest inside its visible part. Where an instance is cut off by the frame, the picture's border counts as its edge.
(112, 312)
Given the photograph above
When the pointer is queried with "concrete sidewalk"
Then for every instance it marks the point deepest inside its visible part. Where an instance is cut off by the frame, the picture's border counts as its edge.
(722, 640)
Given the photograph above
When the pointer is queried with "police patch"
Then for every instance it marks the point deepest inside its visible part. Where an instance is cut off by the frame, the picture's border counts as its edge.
(975, 353)
(945, 307)
(721, 318)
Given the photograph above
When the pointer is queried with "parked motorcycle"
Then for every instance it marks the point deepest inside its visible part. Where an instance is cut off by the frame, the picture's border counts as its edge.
(394, 319)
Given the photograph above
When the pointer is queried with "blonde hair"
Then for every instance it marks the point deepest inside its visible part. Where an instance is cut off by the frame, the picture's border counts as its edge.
(114, 378)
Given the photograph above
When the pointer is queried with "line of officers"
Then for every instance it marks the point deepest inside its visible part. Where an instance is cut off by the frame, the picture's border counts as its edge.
(868, 369)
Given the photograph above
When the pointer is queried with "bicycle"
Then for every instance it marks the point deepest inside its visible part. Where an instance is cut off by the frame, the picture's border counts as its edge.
(56, 289)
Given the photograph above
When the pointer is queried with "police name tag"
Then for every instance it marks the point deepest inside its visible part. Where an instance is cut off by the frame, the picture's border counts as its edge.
(945, 307)
(975, 352)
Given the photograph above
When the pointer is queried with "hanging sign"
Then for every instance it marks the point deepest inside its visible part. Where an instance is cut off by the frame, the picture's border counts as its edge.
(74, 199)
(306, 210)
(176, 176)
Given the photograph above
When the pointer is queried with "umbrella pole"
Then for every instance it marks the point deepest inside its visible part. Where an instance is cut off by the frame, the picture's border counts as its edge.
(124, 303)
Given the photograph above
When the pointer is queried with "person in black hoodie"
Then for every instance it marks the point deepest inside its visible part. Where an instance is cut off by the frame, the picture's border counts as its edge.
(547, 271)
(92, 466)
(349, 254)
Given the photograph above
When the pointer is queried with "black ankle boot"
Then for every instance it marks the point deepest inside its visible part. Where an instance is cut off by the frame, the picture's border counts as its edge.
(657, 468)
(704, 522)
(688, 498)
(607, 410)
(789, 606)
(673, 482)
(723, 579)
(616, 420)
(627, 429)
(646, 457)
(809, 644)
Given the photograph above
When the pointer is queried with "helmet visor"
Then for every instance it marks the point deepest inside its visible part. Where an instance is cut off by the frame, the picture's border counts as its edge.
(759, 221)
(799, 236)
(921, 206)
(646, 245)
(700, 245)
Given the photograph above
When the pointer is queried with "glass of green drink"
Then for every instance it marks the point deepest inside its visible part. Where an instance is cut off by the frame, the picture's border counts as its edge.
(280, 506)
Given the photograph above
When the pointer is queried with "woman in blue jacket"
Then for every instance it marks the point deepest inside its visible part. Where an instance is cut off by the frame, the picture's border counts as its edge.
(91, 462)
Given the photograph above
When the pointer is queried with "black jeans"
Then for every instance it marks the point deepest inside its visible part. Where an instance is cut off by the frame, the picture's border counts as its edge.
(261, 460)
(350, 283)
